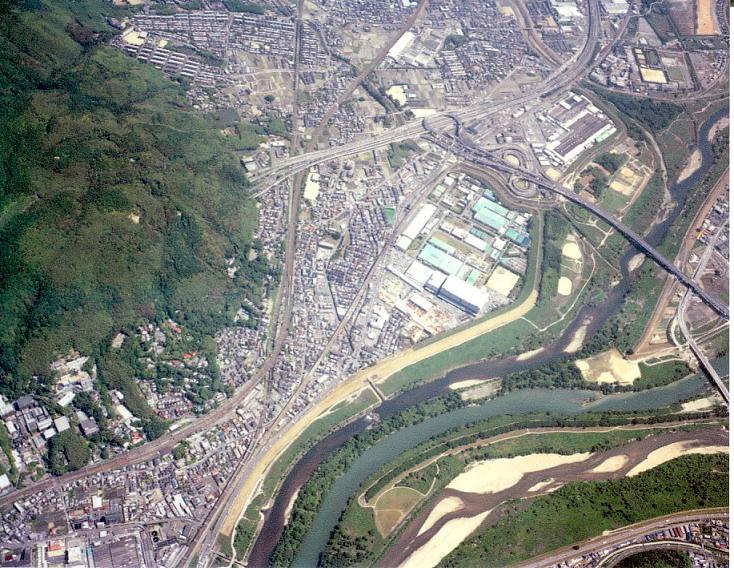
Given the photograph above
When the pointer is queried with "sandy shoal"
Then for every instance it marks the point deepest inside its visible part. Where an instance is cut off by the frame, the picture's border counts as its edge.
(672, 451)
(289, 509)
(577, 341)
(720, 124)
(492, 476)
(529, 354)
(609, 465)
(467, 383)
(698, 404)
(635, 262)
(540, 485)
(694, 162)
(444, 541)
(444, 507)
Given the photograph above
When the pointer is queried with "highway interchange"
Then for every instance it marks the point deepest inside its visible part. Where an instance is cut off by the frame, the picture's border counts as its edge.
(293, 168)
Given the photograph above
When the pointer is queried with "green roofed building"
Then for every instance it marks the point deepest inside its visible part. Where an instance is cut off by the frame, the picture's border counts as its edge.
(474, 275)
(484, 203)
(491, 219)
(517, 238)
(497, 208)
(444, 246)
(439, 259)
(477, 232)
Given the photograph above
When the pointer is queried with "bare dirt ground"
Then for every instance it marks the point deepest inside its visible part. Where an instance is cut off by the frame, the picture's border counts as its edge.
(609, 367)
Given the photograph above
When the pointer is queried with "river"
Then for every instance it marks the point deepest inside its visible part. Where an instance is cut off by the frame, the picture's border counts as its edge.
(517, 402)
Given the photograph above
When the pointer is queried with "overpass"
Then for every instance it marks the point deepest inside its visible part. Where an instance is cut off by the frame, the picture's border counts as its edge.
(483, 158)
(562, 78)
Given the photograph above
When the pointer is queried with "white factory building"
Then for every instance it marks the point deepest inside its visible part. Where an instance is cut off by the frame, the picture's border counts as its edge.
(463, 295)
(416, 225)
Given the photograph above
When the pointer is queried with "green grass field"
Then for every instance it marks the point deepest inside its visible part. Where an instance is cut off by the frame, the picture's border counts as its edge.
(661, 374)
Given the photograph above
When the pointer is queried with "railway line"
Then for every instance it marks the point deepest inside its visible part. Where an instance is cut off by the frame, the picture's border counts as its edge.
(619, 536)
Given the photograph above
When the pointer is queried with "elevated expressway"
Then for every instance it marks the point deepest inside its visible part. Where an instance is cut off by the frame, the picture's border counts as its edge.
(683, 324)
(562, 78)
(482, 158)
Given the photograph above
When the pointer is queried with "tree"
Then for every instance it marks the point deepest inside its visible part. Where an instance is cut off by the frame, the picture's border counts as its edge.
(67, 451)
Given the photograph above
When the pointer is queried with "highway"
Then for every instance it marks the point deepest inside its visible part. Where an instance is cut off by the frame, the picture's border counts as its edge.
(480, 157)
(563, 78)
(619, 536)
(683, 324)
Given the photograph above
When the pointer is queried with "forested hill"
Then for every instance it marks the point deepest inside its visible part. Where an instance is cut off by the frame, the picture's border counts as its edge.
(118, 203)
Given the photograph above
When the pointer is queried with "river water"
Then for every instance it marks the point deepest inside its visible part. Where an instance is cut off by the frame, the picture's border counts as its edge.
(517, 402)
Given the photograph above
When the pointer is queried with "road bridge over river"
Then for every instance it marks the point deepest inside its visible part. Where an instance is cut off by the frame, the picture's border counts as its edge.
(482, 158)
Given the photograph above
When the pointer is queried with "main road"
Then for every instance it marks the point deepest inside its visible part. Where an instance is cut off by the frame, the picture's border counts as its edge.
(681, 317)
(573, 554)
(562, 78)
(205, 538)
(479, 157)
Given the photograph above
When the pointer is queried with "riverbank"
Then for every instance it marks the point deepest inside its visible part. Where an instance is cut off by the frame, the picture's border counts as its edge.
(378, 374)
(578, 467)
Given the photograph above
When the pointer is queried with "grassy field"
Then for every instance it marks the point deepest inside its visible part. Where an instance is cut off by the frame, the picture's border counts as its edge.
(582, 510)
(393, 505)
(500, 341)
(661, 374)
(242, 537)
(613, 201)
